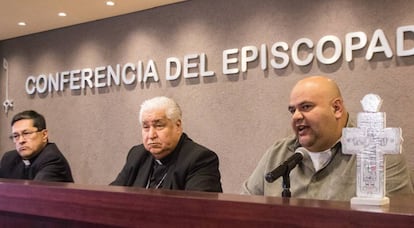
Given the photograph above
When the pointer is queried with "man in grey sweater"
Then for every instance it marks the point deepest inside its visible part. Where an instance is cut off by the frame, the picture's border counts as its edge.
(318, 117)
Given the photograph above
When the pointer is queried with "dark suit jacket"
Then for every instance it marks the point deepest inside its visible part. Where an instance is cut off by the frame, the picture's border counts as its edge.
(191, 167)
(48, 165)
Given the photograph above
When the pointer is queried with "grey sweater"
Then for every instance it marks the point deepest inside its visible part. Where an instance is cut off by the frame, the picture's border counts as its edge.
(336, 181)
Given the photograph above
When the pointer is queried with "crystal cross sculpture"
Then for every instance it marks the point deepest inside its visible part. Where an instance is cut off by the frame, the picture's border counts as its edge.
(370, 141)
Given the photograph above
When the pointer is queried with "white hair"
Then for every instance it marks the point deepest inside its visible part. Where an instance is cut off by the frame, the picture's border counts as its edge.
(172, 109)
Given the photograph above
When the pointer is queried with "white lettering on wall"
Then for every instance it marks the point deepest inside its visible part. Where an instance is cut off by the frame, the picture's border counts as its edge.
(384, 46)
(328, 50)
(337, 49)
(351, 46)
(401, 31)
(227, 60)
(249, 54)
(282, 55)
(168, 68)
(295, 52)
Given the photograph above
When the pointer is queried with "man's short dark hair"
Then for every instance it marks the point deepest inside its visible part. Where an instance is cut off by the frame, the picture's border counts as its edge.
(38, 120)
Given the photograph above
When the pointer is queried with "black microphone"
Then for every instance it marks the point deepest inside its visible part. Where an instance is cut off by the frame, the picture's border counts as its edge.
(286, 166)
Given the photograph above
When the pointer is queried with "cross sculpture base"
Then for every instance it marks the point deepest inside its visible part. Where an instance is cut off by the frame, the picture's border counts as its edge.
(370, 201)
(370, 141)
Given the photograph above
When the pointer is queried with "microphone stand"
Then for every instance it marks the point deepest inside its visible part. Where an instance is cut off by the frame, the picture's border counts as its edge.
(286, 183)
(284, 171)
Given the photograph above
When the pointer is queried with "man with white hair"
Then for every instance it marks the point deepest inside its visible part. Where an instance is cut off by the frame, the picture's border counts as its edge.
(168, 158)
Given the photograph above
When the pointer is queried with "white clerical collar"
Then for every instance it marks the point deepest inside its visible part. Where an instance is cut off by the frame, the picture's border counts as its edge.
(320, 159)
(26, 162)
(158, 162)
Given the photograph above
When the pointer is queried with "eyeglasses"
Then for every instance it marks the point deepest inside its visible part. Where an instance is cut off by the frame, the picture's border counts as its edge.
(24, 135)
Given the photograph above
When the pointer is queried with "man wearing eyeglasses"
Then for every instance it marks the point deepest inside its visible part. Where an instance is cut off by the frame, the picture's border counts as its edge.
(34, 158)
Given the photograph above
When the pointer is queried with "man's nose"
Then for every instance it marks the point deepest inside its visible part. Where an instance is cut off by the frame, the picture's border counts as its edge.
(297, 115)
(20, 139)
(152, 132)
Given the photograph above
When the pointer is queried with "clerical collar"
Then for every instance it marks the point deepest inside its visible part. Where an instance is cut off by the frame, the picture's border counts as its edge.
(165, 160)
(26, 162)
(320, 159)
(158, 161)
(32, 158)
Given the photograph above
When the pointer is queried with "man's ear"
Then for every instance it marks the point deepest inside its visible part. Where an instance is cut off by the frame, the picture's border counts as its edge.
(178, 123)
(44, 135)
(338, 107)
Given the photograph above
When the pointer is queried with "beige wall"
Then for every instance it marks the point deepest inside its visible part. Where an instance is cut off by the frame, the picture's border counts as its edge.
(238, 116)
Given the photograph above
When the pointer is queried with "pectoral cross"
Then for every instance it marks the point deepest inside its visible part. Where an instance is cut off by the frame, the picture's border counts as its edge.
(370, 141)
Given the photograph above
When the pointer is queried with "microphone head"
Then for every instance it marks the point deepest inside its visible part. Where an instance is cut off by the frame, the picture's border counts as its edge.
(269, 177)
(286, 166)
(301, 150)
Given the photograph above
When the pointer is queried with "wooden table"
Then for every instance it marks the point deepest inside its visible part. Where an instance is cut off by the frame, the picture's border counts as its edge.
(42, 204)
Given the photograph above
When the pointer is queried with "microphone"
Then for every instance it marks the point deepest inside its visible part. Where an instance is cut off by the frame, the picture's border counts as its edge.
(286, 166)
